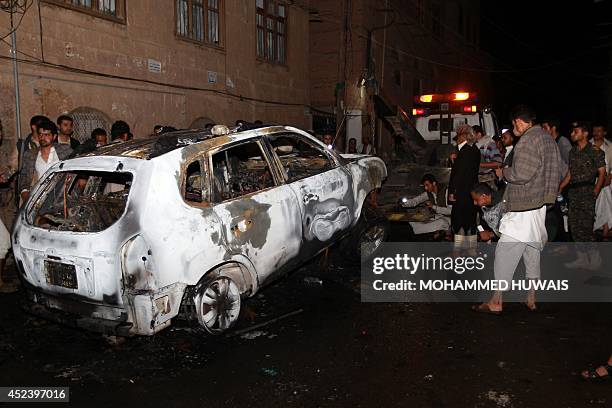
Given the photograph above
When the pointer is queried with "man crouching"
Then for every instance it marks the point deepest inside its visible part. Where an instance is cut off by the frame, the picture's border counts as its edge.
(435, 197)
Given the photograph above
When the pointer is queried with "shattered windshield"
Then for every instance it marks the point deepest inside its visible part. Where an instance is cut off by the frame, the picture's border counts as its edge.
(81, 201)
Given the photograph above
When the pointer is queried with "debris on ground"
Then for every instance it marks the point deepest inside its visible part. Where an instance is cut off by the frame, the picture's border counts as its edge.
(253, 335)
(312, 281)
(271, 372)
(114, 340)
(257, 326)
(500, 399)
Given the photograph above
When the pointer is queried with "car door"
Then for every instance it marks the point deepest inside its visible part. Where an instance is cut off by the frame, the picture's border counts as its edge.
(323, 188)
(259, 215)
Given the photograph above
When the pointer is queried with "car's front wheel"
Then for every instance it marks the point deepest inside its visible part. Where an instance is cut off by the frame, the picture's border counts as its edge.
(374, 230)
(217, 304)
(368, 235)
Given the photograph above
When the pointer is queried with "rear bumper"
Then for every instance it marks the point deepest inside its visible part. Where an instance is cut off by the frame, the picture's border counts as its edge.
(76, 313)
(146, 314)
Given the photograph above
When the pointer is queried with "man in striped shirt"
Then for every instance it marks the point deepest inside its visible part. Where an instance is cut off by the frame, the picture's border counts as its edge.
(490, 157)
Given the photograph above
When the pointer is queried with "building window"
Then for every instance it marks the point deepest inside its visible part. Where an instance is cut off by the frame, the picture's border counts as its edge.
(271, 21)
(212, 19)
(199, 20)
(112, 9)
(86, 120)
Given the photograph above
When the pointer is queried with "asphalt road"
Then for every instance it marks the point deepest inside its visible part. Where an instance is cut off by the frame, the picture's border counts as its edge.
(334, 351)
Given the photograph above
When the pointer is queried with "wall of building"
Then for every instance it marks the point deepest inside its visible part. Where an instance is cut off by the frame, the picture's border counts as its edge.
(174, 96)
(417, 46)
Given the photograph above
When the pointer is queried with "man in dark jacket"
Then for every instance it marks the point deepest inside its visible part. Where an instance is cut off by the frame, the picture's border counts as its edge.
(464, 175)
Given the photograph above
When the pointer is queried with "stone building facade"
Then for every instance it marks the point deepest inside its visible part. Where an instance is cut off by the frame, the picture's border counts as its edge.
(182, 63)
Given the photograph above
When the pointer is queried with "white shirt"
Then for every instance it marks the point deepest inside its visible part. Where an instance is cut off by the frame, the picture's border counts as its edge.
(421, 198)
(606, 147)
(526, 226)
(508, 150)
(460, 146)
(41, 166)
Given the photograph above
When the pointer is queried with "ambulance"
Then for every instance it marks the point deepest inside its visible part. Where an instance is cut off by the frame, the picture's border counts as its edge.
(436, 116)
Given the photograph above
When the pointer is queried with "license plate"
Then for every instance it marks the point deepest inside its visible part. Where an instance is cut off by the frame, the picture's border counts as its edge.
(61, 274)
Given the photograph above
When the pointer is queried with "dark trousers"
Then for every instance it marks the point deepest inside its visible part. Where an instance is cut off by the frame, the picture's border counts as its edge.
(463, 215)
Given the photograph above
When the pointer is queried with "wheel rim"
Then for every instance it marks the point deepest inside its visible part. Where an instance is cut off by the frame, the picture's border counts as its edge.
(219, 305)
(371, 240)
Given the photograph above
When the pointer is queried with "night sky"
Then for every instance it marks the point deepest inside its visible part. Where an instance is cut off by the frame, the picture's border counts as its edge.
(573, 38)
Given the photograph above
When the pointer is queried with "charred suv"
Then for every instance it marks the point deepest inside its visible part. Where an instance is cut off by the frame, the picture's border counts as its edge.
(122, 239)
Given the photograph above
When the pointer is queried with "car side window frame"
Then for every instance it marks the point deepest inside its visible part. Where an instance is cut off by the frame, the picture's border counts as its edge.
(204, 175)
(265, 154)
(335, 161)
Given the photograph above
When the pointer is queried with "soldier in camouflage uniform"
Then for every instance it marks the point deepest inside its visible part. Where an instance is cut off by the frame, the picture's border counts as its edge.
(585, 178)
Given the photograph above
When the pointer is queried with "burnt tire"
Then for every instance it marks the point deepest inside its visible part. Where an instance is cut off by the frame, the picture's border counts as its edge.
(371, 231)
(217, 304)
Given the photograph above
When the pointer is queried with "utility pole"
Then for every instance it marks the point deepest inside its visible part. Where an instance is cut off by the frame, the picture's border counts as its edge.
(11, 6)
(16, 81)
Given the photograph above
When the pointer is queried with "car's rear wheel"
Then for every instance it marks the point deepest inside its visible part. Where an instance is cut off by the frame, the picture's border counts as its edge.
(217, 304)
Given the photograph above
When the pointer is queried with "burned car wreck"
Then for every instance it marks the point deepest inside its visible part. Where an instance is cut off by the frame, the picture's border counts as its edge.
(123, 239)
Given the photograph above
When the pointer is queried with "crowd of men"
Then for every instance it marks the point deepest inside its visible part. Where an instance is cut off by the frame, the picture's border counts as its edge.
(48, 143)
(522, 188)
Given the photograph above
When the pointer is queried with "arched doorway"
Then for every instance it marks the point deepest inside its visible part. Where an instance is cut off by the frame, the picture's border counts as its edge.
(200, 123)
(87, 119)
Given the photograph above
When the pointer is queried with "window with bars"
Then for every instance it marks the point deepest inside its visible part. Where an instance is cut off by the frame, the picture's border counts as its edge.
(199, 20)
(271, 22)
(111, 9)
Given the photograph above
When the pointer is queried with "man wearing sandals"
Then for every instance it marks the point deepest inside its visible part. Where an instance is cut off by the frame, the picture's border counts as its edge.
(533, 181)
(603, 372)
